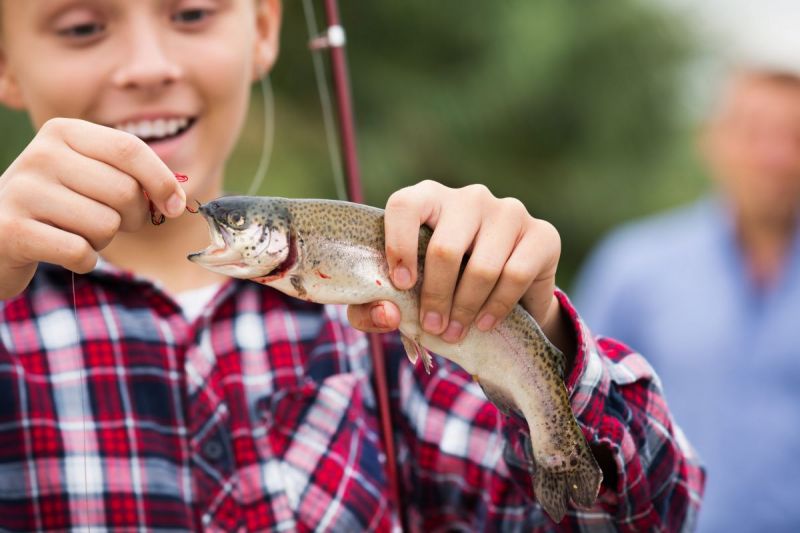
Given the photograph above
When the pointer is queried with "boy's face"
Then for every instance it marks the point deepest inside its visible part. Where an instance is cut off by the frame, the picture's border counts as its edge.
(175, 72)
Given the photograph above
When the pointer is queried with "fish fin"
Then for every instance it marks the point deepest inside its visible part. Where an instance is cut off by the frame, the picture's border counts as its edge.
(579, 481)
(415, 351)
(297, 283)
(411, 349)
(427, 359)
(497, 395)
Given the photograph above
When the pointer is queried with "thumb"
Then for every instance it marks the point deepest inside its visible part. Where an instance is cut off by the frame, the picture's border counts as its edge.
(374, 317)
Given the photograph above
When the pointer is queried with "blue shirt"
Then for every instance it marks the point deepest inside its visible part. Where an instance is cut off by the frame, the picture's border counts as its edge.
(675, 288)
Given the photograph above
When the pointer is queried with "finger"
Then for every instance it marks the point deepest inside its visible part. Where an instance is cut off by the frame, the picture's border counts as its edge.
(37, 242)
(127, 153)
(406, 210)
(451, 239)
(63, 208)
(539, 296)
(488, 258)
(375, 317)
(109, 186)
(528, 275)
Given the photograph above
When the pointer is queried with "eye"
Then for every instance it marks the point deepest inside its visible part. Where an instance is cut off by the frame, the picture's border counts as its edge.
(82, 31)
(192, 17)
(80, 25)
(236, 219)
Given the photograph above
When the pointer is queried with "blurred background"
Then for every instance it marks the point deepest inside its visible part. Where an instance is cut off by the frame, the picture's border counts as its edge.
(580, 109)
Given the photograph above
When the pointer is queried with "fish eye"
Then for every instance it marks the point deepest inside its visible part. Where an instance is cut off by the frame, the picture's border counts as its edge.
(235, 219)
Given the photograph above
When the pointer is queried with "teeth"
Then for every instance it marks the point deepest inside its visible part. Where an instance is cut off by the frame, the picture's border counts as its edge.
(154, 129)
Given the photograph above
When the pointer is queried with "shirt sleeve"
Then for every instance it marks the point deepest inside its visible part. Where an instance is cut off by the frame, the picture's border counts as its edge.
(463, 463)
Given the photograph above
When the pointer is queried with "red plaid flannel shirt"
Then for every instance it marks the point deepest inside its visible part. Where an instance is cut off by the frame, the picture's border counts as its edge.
(260, 415)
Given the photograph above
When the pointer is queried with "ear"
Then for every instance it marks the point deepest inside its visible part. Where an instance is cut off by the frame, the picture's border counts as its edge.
(10, 94)
(268, 26)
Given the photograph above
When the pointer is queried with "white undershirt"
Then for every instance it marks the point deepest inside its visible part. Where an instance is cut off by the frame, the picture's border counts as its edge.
(193, 302)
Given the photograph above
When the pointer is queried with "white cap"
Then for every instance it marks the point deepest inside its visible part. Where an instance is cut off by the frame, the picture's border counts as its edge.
(768, 39)
(758, 34)
(737, 35)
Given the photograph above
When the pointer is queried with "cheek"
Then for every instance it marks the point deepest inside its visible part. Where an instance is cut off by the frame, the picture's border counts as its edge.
(54, 85)
(226, 80)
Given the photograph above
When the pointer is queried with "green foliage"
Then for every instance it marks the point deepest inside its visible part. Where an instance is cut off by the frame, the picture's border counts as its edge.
(573, 107)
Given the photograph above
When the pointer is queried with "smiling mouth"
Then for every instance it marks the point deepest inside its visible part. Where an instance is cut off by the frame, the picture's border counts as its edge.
(159, 130)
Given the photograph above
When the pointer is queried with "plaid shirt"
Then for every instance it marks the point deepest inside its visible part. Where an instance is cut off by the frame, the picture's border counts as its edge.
(260, 415)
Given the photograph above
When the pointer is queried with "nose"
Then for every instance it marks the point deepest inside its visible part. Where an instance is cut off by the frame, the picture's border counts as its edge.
(148, 65)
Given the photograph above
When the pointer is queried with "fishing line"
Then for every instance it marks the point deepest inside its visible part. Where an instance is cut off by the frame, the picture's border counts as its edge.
(327, 106)
(81, 383)
(268, 104)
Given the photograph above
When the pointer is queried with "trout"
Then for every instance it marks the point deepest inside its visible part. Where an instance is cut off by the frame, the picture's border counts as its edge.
(328, 251)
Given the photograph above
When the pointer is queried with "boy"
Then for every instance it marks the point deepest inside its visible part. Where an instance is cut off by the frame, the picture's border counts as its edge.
(165, 397)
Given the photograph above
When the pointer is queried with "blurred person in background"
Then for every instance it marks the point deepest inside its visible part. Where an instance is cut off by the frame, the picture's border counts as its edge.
(711, 292)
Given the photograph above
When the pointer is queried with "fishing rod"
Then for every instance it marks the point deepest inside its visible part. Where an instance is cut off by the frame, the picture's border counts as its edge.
(333, 41)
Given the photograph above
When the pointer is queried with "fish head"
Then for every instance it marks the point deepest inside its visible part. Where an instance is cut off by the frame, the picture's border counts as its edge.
(250, 237)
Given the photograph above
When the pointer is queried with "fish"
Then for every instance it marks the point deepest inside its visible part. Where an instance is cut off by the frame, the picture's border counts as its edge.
(333, 252)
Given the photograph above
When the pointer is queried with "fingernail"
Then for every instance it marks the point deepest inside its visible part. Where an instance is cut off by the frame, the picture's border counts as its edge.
(432, 322)
(402, 277)
(378, 316)
(453, 331)
(485, 322)
(174, 205)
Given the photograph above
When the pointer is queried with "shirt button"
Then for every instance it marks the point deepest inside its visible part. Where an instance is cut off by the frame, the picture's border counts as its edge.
(213, 450)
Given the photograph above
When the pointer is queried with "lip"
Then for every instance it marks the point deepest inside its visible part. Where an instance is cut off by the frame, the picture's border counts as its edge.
(151, 115)
(167, 148)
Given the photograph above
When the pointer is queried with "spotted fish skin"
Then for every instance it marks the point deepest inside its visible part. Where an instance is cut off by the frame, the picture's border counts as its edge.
(329, 251)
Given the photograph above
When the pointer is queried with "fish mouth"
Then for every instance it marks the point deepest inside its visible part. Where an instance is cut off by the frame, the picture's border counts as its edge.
(220, 256)
(219, 253)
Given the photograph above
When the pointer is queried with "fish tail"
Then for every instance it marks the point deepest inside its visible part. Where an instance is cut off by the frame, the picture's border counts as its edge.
(556, 485)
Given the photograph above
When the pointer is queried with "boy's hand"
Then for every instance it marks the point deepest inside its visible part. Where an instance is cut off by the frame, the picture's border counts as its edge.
(512, 259)
(70, 191)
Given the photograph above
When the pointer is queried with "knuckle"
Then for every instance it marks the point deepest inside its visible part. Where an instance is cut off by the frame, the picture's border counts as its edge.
(400, 199)
(129, 193)
(108, 225)
(464, 311)
(10, 225)
(126, 146)
(513, 206)
(485, 272)
(434, 298)
(444, 251)
(77, 249)
(430, 185)
(39, 155)
(548, 237)
(478, 190)
(518, 275)
(499, 308)
(545, 228)
(54, 126)
(80, 255)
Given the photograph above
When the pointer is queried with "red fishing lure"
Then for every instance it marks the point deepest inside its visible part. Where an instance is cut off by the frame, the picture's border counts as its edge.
(157, 218)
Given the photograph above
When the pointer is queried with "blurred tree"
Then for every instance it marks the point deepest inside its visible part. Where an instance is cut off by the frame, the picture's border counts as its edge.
(574, 107)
